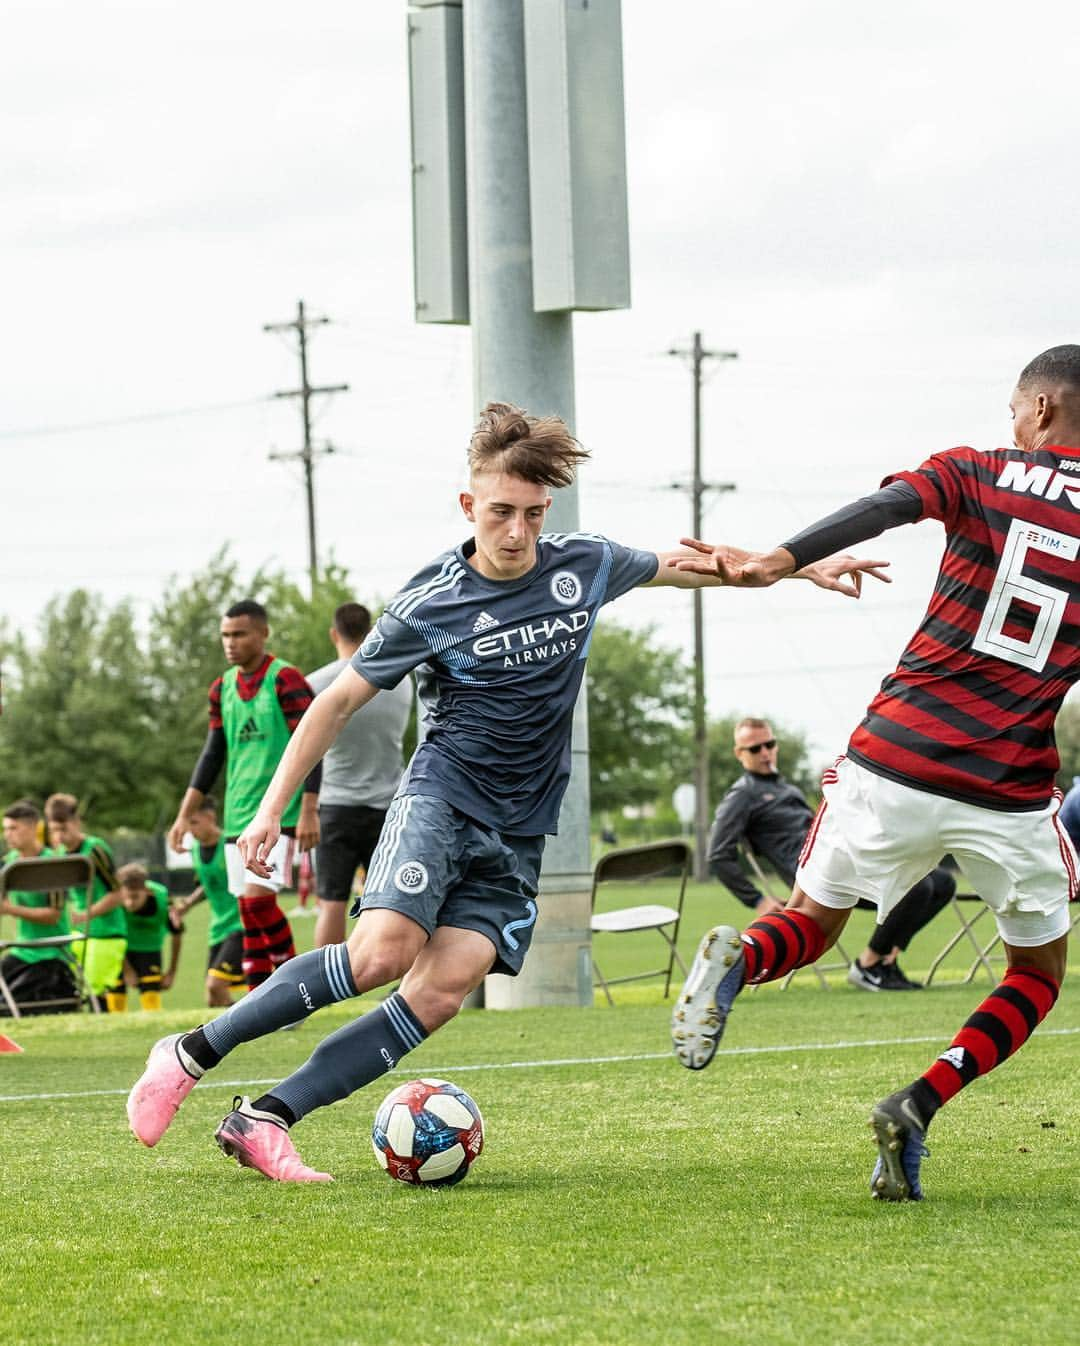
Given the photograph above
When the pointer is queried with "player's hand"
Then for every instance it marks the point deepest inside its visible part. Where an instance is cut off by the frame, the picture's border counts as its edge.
(734, 566)
(256, 842)
(178, 832)
(167, 979)
(843, 573)
(307, 828)
(719, 562)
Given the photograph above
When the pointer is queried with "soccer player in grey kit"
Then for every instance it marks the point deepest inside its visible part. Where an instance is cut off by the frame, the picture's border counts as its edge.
(497, 631)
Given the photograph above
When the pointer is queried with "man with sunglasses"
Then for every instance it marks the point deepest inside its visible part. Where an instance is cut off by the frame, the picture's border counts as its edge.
(771, 816)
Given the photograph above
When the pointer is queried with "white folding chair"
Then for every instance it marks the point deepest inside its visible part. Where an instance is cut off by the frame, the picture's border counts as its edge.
(48, 874)
(967, 932)
(638, 864)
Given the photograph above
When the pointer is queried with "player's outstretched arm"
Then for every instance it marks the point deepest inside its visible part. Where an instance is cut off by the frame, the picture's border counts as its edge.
(750, 570)
(321, 724)
(818, 553)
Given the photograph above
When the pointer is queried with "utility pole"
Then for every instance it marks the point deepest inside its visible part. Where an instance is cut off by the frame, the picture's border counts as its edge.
(308, 453)
(698, 355)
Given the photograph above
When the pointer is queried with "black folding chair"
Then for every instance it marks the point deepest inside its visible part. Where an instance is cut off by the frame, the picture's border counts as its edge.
(48, 874)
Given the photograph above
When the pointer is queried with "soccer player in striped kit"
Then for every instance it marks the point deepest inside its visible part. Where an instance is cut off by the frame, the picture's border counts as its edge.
(956, 752)
(498, 629)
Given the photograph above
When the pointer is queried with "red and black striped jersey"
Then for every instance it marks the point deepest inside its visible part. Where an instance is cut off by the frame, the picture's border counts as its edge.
(294, 694)
(969, 712)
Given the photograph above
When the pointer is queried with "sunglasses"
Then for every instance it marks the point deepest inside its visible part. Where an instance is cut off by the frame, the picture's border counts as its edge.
(769, 743)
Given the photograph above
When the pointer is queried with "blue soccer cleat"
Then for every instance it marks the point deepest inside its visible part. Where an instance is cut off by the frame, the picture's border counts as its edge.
(701, 1011)
(900, 1133)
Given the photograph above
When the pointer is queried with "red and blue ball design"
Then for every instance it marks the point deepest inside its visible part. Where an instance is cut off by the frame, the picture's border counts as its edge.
(428, 1133)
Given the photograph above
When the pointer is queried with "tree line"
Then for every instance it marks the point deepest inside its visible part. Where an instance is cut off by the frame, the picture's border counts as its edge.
(114, 711)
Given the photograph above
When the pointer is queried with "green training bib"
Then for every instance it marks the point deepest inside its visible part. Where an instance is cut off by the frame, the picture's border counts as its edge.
(256, 734)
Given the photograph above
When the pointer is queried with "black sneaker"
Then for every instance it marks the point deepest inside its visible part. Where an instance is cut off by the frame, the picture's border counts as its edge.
(867, 978)
(895, 979)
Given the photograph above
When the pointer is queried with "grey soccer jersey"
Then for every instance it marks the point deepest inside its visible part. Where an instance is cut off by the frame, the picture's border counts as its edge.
(499, 664)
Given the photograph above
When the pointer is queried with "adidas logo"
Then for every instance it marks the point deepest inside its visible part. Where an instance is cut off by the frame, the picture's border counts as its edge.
(484, 622)
(249, 730)
(954, 1056)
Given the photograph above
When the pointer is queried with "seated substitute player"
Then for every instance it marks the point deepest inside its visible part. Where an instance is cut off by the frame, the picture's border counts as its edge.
(771, 814)
(149, 920)
(42, 974)
(956, 753)
(98, 912)
(498, 629)
(224, 970)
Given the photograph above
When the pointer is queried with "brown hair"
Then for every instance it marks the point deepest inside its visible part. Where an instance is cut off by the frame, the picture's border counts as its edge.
(133, 875)
(61, 808)
(352, 620)
(23, 811)
(540, 449)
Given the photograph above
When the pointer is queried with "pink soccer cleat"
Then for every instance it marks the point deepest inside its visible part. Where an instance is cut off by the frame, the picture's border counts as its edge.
(159, 1091)
(261, 1141)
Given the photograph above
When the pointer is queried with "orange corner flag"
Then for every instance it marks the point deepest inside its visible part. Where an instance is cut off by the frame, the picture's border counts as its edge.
(6, 1044)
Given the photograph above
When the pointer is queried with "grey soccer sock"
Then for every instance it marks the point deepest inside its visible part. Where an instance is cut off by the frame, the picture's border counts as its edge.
(296, 989)
(352, 1057)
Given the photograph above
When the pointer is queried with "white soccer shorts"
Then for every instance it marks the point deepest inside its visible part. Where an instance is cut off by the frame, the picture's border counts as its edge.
(280, 861)
(875, 838)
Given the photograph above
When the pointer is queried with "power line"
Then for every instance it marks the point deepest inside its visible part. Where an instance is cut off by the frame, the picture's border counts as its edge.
(308, 453)
(137, 418)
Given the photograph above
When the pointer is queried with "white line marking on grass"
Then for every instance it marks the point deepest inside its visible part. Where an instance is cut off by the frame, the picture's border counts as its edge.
(437, 1071)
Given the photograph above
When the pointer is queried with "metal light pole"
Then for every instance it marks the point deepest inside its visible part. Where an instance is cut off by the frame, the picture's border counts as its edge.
(515, 226)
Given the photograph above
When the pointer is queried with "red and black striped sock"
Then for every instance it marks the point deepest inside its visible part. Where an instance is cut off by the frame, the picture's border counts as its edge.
(268, 939)
(776, 944)
(1000, 1026)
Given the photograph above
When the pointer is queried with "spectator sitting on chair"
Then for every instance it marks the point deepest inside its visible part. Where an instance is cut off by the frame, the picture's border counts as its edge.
(773, 817)
(149, 919)
(95, 907)
(34, 974)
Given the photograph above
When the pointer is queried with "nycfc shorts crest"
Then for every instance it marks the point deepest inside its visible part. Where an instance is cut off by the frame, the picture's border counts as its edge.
(439, 867)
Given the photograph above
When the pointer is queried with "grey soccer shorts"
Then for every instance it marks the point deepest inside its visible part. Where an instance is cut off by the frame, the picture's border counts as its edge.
(438, 866)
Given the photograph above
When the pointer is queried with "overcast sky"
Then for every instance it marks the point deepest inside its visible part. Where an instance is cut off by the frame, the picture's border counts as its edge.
(875, 205)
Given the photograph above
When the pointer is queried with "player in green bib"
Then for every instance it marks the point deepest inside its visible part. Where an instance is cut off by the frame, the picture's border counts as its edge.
(149, 920)
(254, 709)
(98, 912)
(225, 936)
(41, 974)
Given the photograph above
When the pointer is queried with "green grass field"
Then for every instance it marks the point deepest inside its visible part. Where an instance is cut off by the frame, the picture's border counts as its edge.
(619, 1199)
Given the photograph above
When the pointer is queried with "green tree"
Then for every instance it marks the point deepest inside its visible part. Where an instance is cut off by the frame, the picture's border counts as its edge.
(185, 658)
(298, 622)
(639, 714)
(185, 648)
(80, 713)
